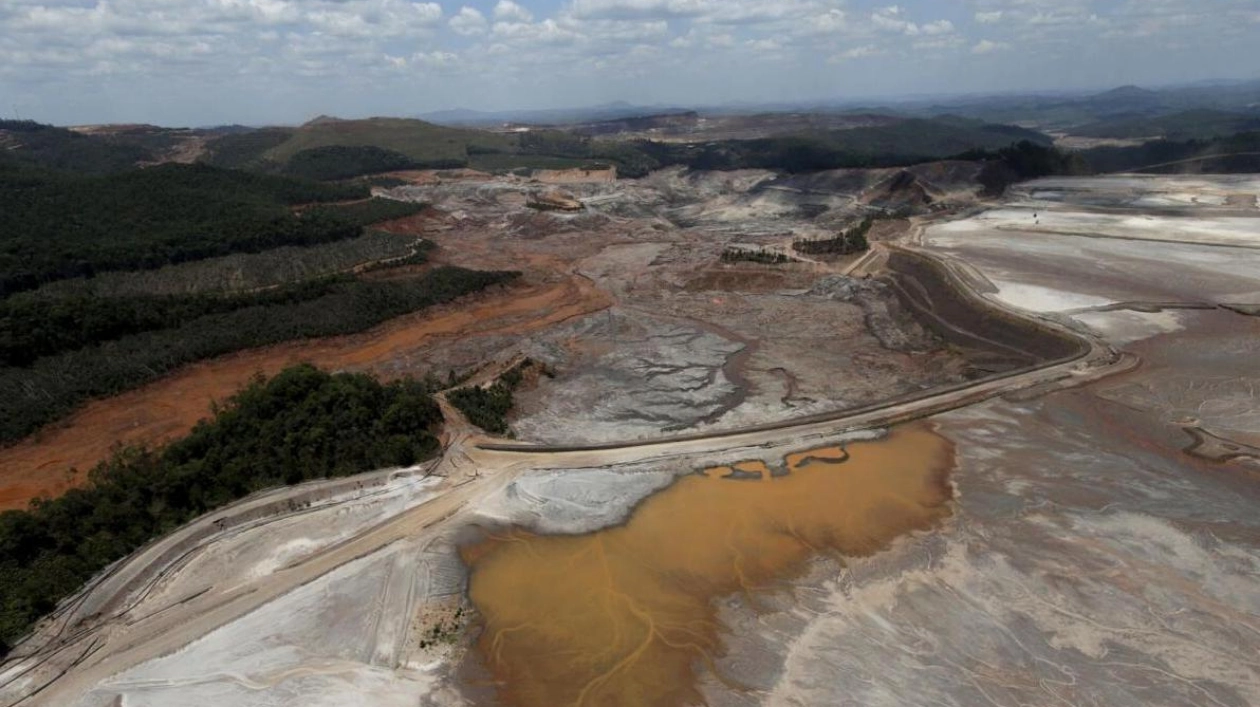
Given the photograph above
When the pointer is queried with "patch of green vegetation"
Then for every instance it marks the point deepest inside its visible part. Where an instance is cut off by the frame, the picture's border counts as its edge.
(53, 386)
(1235, 154)
(766, 257)
(240, 272)
(848, 242)
(420, 141)
(488, 407)
(343, 162)
(302, 424)
(386, 182)
(57, 148)
(506, 162)
(935, 138)
(1201, 124)
(55, 226)
(246, 149)
(32, 326)
(895, 145)
(1024, 160)
(366, 213)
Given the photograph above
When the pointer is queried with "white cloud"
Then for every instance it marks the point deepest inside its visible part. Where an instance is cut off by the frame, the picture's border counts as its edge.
(861, 52)
(54, 52)
(508, 11)
(833, 20)
(433, 59)
(986, 46)
(893, 19)
(939, 27)
(630, 9)
(468, 22)
(546, 32)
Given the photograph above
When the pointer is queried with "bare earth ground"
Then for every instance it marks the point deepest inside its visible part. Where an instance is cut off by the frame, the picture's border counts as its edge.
(1103, 543)
(719, 344)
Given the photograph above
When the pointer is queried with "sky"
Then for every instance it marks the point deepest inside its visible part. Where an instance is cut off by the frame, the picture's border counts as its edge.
(206, 62)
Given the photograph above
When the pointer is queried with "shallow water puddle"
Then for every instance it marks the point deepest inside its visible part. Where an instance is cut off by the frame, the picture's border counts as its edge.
(626, 616)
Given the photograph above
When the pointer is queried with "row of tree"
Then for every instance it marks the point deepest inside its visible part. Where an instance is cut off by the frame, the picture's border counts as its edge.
(56, 226)
(759, 255)
(34, 326)
(847, 242)
(239, 272)
(53, 386)
(302, 424)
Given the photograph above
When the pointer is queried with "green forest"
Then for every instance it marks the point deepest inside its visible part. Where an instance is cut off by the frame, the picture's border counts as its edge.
(302, 424)
(55, 226)
(54, 385)
(243, 272)
(342, 162)
(1235, 154)
(59, 148)
(32, 327)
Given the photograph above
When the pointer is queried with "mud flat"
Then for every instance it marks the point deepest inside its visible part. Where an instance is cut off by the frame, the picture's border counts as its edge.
(627, 615)
(1092, 558)
(1099, 552)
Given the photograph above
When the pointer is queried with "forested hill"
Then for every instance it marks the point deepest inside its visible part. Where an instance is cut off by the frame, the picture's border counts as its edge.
(55, 225)
(28, 142)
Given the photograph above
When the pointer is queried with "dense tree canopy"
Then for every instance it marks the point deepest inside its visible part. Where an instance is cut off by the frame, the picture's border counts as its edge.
(343, 161)
(55, 226)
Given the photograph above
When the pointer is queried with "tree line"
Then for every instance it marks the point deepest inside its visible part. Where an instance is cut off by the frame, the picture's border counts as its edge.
(759, 255)
(52, 386)
(302, 424)
(241, 272)
(32, 327)
(846, 243)
(56, 226)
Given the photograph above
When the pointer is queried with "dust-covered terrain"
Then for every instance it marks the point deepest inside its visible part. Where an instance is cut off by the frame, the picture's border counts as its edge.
(690, 342)
(1084, 355)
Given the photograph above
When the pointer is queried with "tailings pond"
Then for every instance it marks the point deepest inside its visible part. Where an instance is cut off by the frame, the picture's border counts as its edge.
(628, 615)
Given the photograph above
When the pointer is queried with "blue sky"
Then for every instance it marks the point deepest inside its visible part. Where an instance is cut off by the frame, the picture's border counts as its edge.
(198, 62)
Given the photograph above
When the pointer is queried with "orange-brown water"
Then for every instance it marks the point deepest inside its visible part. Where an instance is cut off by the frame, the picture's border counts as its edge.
(626, 616)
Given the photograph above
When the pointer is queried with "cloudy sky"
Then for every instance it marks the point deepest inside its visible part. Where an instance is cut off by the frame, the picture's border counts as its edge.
(199, 62)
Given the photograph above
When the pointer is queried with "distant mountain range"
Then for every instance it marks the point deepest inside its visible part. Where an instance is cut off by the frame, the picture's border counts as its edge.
(557, 116)
(1048, 110)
